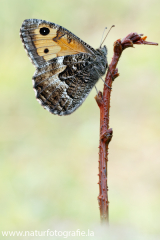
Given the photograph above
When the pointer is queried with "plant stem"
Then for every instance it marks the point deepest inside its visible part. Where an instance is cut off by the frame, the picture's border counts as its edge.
(103, 102)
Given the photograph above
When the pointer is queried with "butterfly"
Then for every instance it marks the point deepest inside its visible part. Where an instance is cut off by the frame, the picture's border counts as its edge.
(67, 68)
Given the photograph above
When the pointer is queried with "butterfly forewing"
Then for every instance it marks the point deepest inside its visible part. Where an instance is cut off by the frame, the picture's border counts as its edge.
(44, 41)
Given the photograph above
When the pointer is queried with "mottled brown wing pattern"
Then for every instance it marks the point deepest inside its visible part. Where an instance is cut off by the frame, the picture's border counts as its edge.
(66, 67)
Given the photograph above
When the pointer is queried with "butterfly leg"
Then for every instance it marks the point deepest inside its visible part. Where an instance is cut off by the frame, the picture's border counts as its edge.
(105, 83)
(96, 89)
(102, 79)
(111, 74)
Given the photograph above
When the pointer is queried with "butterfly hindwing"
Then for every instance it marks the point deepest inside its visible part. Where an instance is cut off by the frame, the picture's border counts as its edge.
(61, 87)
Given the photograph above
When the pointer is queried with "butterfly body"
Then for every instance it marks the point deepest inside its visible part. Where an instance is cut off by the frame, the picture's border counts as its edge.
(66, 67)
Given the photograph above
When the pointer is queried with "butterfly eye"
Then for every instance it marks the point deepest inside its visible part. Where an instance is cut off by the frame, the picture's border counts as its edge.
(44, 31)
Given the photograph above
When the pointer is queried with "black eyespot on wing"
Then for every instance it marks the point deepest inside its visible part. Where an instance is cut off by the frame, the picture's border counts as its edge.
(44, 31)
(46, 50)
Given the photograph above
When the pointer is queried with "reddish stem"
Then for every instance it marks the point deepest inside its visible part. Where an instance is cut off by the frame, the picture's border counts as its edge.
(103, 102)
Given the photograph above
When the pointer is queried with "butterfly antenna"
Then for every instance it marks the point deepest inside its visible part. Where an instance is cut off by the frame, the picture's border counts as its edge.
(107, 35)
(103, 35)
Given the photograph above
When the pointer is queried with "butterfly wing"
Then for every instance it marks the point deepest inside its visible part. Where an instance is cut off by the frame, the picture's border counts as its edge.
(44, 41)
(62, 86)
(65, 64)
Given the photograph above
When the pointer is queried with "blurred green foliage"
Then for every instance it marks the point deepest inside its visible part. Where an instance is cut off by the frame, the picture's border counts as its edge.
(49, 164)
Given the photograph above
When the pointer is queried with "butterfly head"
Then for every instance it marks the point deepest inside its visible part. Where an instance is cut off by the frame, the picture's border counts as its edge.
(102, 51)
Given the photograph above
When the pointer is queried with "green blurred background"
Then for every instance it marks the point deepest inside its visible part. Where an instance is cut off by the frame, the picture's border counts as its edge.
(49, 164)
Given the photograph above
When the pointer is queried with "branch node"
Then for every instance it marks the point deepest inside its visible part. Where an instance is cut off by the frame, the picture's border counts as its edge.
(99, 99)
(107, 135)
